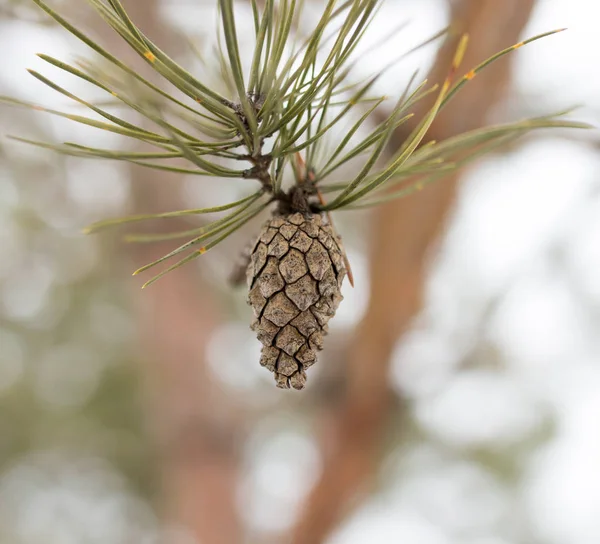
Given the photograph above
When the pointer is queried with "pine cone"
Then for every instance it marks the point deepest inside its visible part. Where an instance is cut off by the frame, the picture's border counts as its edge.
(294, 279)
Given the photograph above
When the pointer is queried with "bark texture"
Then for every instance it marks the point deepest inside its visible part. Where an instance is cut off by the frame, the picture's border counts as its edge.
(294, 279)
(404, 232)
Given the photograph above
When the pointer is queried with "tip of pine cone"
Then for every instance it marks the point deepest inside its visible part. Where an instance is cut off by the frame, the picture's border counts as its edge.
(296, 381)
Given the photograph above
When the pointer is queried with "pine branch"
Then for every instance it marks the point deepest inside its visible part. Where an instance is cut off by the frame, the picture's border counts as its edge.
(276, 130)
(296, 101)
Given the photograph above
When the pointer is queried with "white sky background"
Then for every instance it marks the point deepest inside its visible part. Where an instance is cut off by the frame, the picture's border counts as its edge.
(525, 238)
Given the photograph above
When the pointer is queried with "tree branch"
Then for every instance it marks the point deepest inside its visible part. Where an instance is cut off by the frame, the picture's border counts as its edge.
(404, 232)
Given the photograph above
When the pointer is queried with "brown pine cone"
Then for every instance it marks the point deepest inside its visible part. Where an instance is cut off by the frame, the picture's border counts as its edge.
(294, 279)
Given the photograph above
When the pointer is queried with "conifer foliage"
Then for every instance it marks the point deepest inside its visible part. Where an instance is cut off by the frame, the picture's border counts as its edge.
(277, 131)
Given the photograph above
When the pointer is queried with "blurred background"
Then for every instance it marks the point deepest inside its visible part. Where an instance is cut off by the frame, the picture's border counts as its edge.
(457, 400)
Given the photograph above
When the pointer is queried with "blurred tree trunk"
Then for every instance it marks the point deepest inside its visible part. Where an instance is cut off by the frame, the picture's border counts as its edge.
(196, 428)
(405, 231)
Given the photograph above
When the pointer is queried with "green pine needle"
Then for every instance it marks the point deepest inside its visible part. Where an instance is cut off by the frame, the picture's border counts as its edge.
(295, 101)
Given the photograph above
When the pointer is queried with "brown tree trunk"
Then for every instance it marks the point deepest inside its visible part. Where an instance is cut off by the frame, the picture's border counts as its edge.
(197, 429)
(404, 233)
